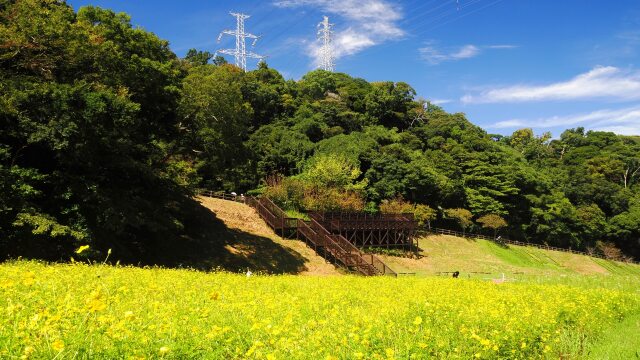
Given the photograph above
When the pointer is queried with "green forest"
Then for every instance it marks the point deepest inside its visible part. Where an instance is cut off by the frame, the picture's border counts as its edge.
(106, 134)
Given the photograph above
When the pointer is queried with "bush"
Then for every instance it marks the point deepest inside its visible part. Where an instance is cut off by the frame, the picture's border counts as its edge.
(396, 205)
(288, 193)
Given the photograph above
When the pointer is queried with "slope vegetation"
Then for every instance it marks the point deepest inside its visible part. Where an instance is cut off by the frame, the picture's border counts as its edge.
(259, 248)
(442, 253)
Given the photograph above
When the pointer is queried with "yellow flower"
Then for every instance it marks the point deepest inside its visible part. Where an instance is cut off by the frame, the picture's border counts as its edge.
(417, 321)
(163, 350)
(81, 249)
(128, 314)
(390, 353)
(57, 345)
(27, 352)
(95, 303)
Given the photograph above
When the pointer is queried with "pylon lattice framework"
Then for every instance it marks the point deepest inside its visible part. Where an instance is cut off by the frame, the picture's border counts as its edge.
(326, 50)
(240, 52)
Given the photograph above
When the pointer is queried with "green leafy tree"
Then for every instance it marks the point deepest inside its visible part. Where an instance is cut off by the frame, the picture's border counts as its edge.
(87, 111)
(593, 223)
(424, 215)
(197, 58)
(215, 119)
(462, 216)
(493, 222)
(333, 171)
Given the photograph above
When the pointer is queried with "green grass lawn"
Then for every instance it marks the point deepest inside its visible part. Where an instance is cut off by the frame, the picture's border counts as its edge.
(482, 258)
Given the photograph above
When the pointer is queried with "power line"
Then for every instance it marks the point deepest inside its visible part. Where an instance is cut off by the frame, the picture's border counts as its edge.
(437, 25)
(416, 15)
(286, 29)
(240, 52)
(443, 16)
(326, 50)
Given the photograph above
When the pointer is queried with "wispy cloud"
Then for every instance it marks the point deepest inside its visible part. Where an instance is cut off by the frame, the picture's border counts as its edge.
(435, 56)
(606, 82)
(372, 22)
(502, 46)
(621, 121)
(440, 101)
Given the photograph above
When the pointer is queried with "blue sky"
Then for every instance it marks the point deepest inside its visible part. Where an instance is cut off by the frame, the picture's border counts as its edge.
(507, 64)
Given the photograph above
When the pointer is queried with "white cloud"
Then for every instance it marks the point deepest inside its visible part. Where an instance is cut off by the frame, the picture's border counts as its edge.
(601, 82)
(371, 22)
(502, 46)
(435, 56)
(622, 121)
(351, 41)
(440, 101)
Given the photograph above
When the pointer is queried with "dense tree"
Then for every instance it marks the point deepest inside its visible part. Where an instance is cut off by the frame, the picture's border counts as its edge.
(196, 57)
(215, 120)
(105, 133)
(87, 113)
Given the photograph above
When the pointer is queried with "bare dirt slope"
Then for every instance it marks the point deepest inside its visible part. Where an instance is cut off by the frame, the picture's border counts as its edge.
(255, 241)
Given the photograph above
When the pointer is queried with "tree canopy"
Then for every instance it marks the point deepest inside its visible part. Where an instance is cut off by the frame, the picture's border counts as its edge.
(105, 133)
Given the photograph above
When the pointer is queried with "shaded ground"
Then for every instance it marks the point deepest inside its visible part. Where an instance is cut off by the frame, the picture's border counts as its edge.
(209, 243)
(253, 242)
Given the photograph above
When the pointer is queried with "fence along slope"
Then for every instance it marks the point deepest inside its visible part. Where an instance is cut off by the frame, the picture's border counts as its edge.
(504, 241)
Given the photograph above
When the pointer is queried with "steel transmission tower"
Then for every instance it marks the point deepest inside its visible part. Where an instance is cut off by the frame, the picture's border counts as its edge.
(326, 51)
(240, 53)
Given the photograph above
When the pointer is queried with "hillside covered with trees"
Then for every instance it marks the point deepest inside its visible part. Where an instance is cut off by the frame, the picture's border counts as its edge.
(105, 134)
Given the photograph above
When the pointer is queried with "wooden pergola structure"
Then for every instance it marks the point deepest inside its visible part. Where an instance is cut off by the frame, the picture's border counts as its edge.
(367, 230)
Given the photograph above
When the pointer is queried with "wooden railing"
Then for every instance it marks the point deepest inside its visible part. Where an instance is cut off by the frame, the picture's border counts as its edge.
(380, 266)
(317, 235)
(277, 219)
(222, 195)
(344, 251)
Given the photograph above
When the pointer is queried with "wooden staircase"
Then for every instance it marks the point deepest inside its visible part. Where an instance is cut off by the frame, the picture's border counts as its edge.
(332, 246)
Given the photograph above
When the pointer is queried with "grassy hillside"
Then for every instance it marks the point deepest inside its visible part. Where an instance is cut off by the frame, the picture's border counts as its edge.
(254, 245)
(478, 258)
(101, 312)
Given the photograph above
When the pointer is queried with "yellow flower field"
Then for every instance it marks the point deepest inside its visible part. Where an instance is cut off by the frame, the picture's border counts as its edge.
(81, 311)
